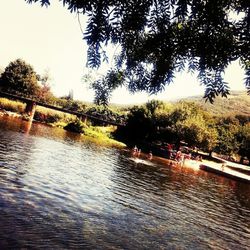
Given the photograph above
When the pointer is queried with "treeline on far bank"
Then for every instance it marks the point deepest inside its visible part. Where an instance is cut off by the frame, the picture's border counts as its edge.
(157, 123)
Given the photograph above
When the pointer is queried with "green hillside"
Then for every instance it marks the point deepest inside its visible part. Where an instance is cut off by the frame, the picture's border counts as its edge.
(238, 102)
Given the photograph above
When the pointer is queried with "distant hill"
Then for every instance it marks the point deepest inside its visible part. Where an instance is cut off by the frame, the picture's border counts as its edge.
(238, 102)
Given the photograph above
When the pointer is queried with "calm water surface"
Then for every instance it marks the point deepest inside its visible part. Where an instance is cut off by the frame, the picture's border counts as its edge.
(61, 191)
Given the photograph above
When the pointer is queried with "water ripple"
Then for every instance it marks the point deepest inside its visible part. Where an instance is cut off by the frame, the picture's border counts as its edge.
(62, 192)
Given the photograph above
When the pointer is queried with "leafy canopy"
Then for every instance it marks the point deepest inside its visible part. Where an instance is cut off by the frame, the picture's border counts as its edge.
(19, 78)
(159, 38)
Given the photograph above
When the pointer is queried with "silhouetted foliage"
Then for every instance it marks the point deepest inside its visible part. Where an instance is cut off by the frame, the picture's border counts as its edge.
(161, 37)
(104, 87)
(19, 78)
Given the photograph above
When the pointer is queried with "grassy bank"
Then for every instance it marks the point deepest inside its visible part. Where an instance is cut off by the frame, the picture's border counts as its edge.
(53, 117)
(13, 106)
(101, 135)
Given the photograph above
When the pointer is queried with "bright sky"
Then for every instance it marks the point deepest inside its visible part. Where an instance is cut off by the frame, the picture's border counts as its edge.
(51, 39)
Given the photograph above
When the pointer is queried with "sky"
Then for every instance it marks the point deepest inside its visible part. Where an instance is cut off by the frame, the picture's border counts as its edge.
(50, 39)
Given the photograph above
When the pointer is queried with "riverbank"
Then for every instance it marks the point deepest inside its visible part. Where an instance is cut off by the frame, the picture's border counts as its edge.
(226, 172)
(100, 135)
(4, 112)
(214, 165)
(239, 173)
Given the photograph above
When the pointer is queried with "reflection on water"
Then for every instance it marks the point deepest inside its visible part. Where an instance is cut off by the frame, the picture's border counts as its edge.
(61, 191)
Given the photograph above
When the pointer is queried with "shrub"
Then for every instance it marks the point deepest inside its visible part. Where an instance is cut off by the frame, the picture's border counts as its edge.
(77, 126)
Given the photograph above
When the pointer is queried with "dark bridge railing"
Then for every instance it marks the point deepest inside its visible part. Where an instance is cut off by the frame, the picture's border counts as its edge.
(46, 105)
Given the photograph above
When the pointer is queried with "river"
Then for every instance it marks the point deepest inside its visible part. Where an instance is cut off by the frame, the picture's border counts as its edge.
(59, 190)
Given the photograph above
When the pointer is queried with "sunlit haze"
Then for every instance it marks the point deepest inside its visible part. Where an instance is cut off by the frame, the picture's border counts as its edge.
(51, 39)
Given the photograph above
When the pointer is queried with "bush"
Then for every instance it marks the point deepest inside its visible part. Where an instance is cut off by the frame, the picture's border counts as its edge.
(76, 126)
